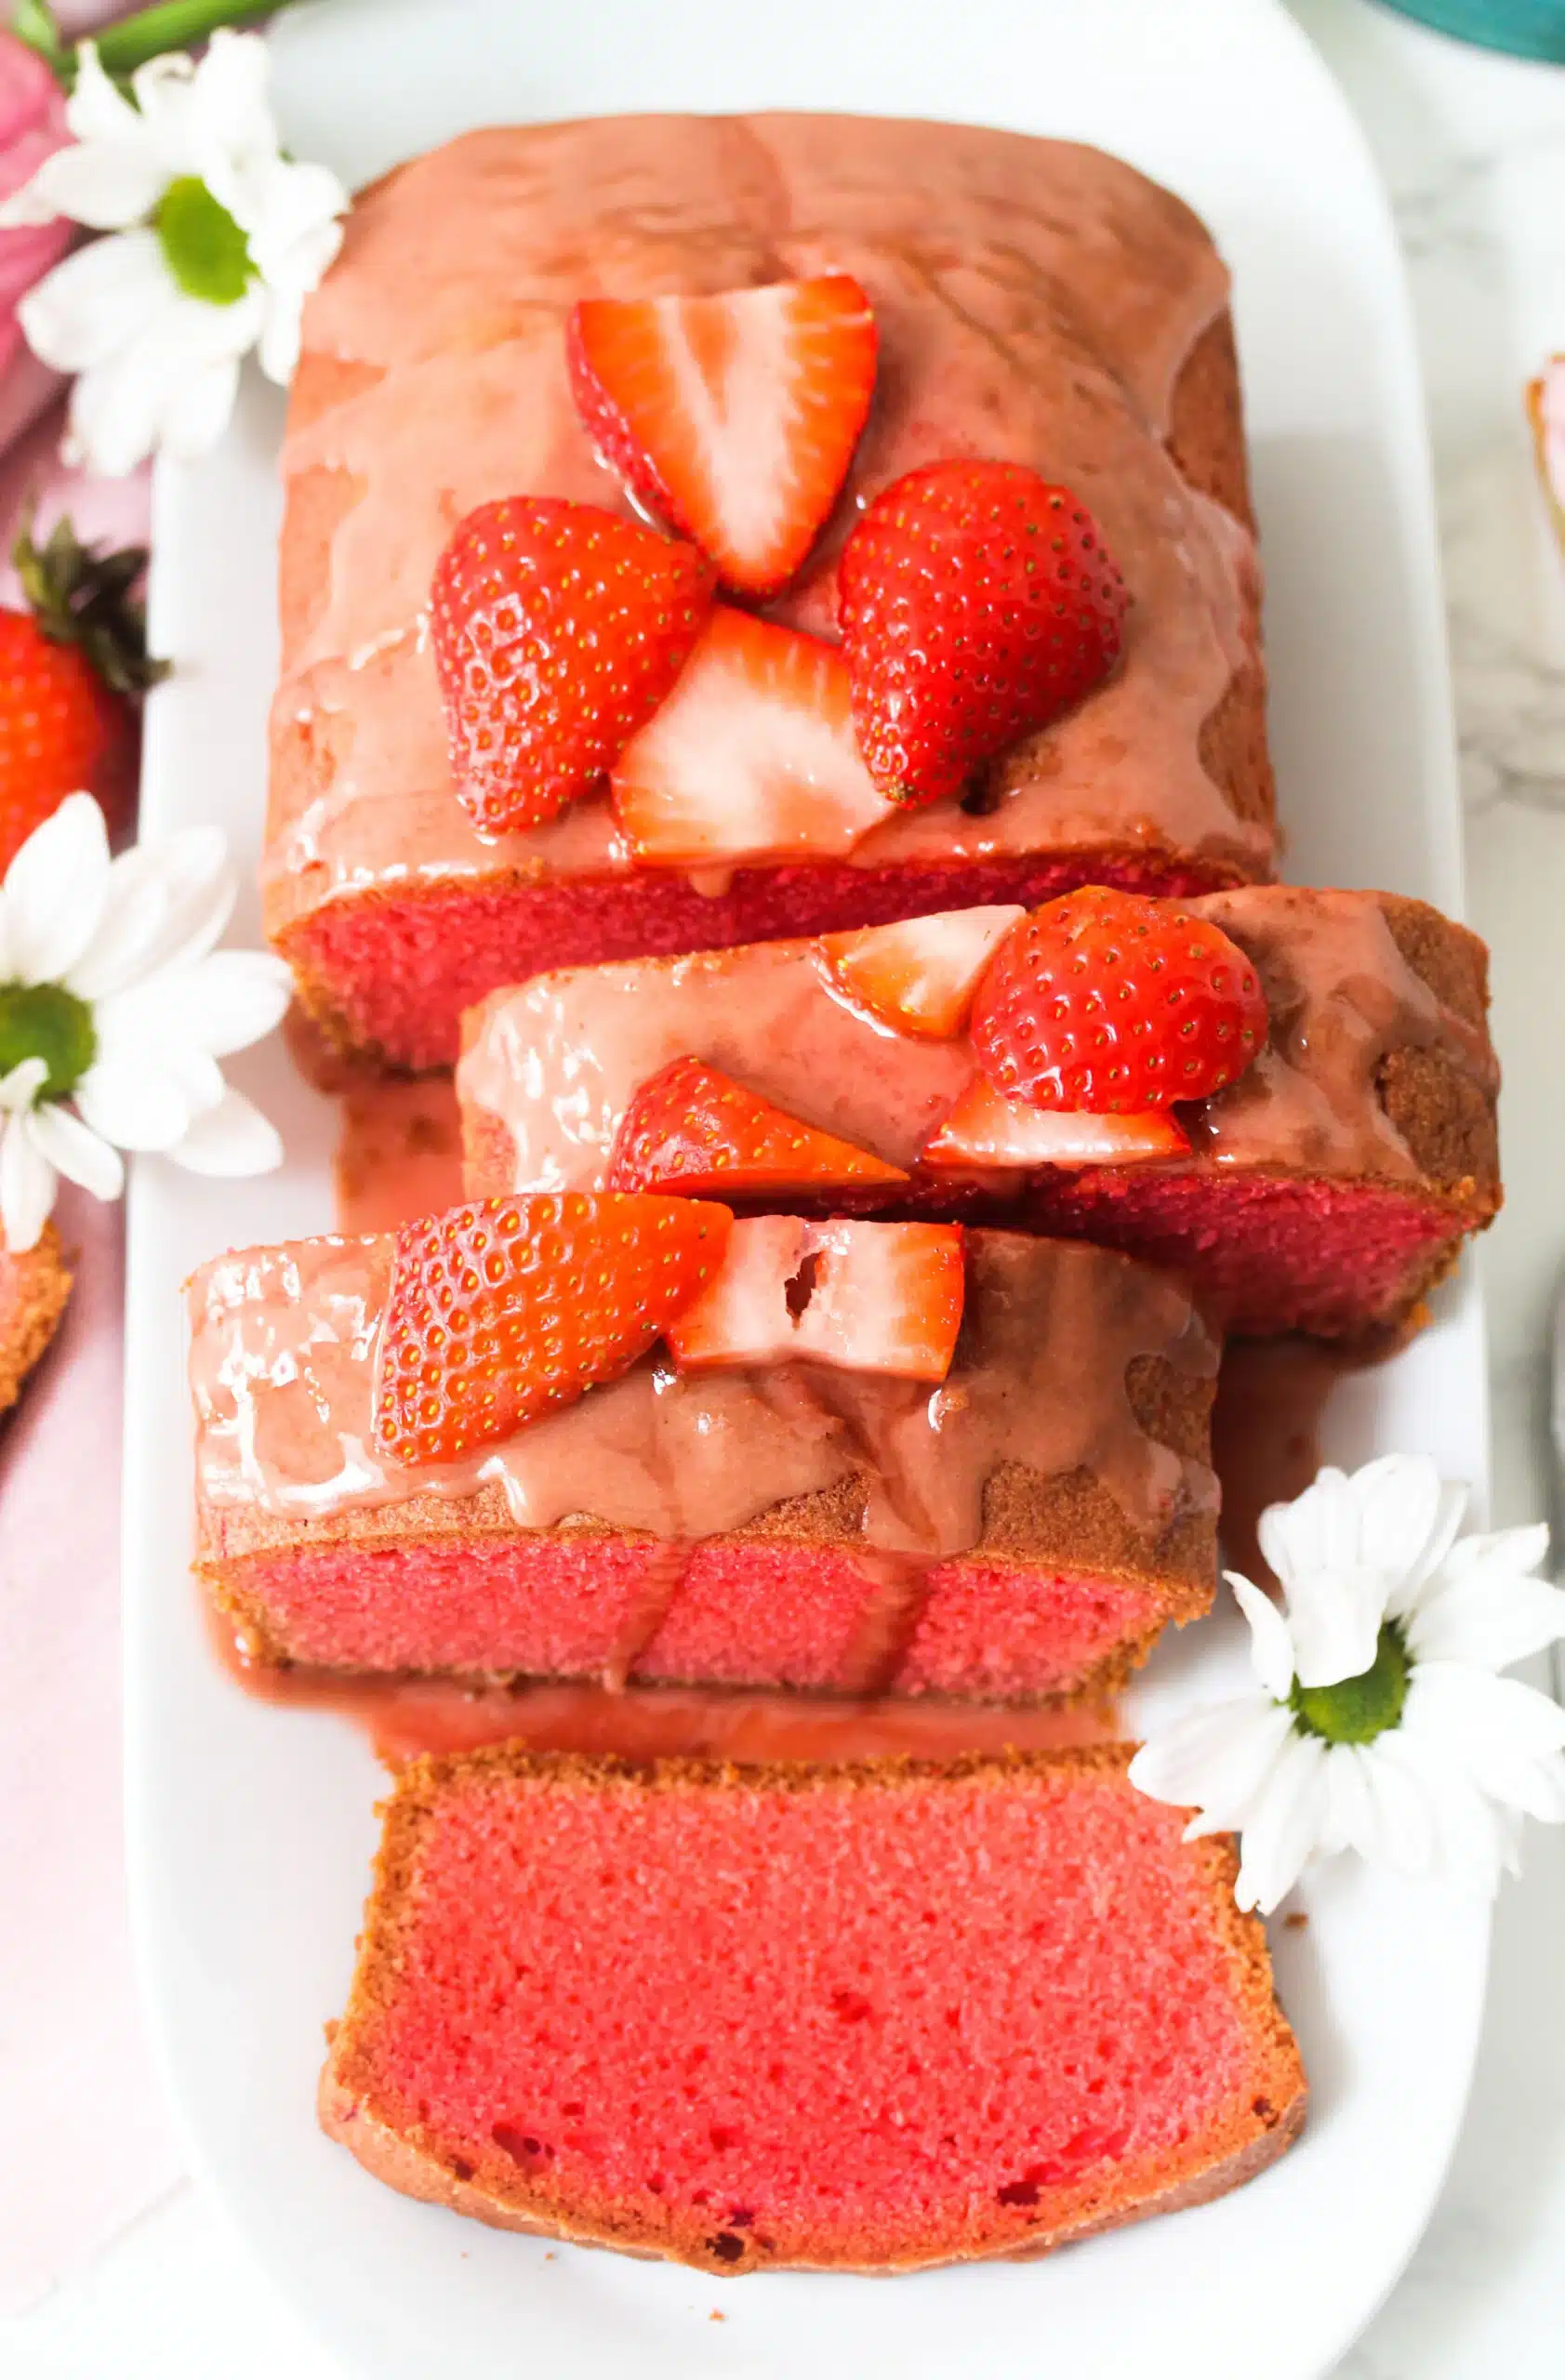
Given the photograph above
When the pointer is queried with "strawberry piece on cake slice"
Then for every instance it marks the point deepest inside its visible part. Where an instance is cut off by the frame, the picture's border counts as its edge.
(733, 417)
(693, 1129)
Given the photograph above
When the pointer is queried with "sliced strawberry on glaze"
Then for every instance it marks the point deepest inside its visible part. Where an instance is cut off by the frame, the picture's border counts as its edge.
(694, 1131)
(557, 631)
(506, 1308)
(733, 417)
(1112, 1001)
(752, 758)
(865, 1297)
(985, 1130)
(919, 976)
(977, 603)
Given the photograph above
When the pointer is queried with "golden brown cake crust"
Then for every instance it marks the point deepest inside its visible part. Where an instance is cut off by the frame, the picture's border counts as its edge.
(35, 1287)
(409, 2157)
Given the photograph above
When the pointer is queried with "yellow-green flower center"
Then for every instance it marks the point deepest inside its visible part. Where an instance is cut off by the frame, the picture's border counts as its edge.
(1357, 1709)
(45, 1021)
(206, 251)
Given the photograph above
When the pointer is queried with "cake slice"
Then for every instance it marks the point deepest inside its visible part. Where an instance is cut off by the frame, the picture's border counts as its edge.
(1326, 1189)
(1035, 303)
(844, 1472)
(34, 1288)
(867, 2018)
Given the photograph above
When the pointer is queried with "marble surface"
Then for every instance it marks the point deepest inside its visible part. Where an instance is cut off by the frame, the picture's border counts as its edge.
(1473, 150)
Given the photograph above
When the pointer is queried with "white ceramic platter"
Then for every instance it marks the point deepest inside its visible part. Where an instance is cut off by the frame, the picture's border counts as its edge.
(250, 1827)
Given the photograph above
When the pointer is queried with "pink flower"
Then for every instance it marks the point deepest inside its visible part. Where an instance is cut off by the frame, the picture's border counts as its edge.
(32, 127)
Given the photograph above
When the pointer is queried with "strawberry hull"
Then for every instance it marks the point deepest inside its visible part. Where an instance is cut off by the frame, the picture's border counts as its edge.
(1326, 1189)
(1021, 1529)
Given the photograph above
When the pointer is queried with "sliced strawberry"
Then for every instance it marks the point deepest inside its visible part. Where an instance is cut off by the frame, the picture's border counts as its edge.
(977, 603)
(735, 417)
(693, 1129)
(752, 755)
(557, 631)
(865, 1297)
(919, 976)
(506, 1308)
(983, 1129)
(1112, 1001)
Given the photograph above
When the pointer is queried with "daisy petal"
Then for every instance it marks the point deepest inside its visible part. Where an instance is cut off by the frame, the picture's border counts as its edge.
(1334, 1622)
(1347, 1816)
(134, 911)
(1217, 1760)
(236, 997)
(1398, 1830)
(1271, 1648)
(98, 110)
(1319, 1530)
(200, 887)
(1488, 1624)
(200, 411)
(135, 1104)
(1406, 1515)
(74, 1151)
(55, 891)
(1508, 1737)
(230, 1140)
(21, 1086)
(1280, 1833)
(90, 308)
(27, 1186)
(108, 186)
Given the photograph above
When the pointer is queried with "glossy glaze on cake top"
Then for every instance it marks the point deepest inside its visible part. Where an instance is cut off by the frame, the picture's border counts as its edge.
(1037, 302)
(284, 1343)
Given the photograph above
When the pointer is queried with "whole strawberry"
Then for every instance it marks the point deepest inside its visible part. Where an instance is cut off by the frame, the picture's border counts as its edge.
(1114, 1003)
(558, 629)
(977, 603)
(71, 668)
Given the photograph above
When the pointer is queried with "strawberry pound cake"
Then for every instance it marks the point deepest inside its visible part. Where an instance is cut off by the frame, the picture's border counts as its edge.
(1286, 1095)
(857, 1458)
(705, 529)
(867, 2018)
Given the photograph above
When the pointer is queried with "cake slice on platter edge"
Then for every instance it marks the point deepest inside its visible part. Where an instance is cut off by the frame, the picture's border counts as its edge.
(1084, 341)
(745, 2013)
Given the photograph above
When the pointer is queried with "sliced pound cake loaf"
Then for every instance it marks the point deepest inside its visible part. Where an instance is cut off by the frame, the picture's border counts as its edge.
(871, 2017)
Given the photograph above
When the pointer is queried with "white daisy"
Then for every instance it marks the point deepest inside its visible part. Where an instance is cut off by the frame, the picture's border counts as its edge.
(114, 1010)
(1382, 1725)
(217, 241)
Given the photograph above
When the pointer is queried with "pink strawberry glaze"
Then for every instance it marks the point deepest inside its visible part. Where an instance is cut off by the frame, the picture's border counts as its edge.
(804, 1984)
(396, 973)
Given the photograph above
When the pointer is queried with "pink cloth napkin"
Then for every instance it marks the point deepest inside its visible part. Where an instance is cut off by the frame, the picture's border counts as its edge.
(86, 2146)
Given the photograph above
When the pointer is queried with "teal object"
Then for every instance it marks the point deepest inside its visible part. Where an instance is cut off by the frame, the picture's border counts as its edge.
(1527, 27)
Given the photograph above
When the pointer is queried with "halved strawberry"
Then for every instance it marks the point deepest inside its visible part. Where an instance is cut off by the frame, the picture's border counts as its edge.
(920, 976)
(752, 755)
(984, 1129)
(1113, 1002)
(506, 1308)
(733, 417)
(977, 603)
(557, 630)
(693, 1130)
(865, 1297)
